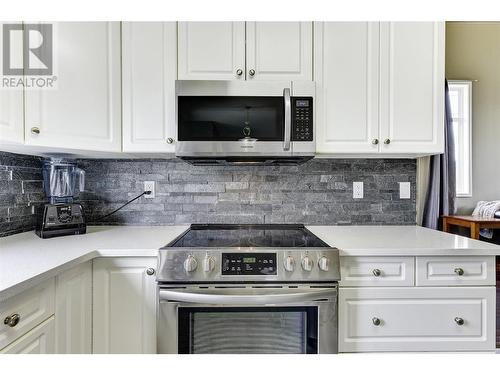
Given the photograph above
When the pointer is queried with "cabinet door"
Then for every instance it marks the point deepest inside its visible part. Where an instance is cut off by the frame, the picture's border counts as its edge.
(84, 110)
(39, 340)
(412, 87)
(347, 78)
(149, 72)
(74, 310)
(124, 306)
(211, 50)
(279, 50)
(11, 109)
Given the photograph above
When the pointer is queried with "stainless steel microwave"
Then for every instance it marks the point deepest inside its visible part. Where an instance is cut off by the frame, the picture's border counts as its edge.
(226, 122)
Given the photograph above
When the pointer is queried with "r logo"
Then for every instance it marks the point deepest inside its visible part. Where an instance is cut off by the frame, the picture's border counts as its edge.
(27, 49)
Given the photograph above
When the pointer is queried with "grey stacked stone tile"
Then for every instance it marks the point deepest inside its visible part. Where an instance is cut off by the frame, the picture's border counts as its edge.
(317, 192)
(21, 190)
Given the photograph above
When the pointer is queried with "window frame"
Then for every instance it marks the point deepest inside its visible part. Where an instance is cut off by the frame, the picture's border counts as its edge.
(468, 84)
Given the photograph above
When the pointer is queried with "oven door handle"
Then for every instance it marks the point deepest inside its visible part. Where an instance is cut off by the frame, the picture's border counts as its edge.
(288, 119)
(201, 297)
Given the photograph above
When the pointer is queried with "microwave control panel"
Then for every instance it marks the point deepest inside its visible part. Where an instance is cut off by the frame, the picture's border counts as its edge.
(302, 119)
(249, 264)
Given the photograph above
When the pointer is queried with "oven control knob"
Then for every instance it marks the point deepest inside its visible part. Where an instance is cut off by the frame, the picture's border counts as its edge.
(190, 263)
(208, 264)
(323, 263)
(307, 264)
(289, 264)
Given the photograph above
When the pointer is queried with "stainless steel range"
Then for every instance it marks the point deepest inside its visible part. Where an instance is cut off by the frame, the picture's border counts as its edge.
(247, 289)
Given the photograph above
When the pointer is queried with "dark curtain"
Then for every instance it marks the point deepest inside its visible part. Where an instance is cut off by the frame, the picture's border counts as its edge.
(441, 191)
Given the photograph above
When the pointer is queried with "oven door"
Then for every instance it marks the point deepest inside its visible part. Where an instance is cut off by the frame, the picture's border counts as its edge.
(248, 320)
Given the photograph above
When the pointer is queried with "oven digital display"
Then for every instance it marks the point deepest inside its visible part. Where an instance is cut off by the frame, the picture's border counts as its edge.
(301, 103)
(249, 264)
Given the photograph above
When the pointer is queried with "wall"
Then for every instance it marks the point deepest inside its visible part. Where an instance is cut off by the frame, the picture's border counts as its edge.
(20, 190)
(473, 52)
(318, 192)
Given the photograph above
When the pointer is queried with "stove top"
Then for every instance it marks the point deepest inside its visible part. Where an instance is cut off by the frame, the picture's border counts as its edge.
(247, 235)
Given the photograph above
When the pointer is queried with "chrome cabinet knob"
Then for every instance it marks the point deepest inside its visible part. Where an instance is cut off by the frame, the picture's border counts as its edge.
(150, 271)
(459, 321)
(208, 263)
(375, 141)
(35, 130)
(323, 263)
(239, 72)
(376, 321)
(387, 141)
(289, 264)
(459, 271)
(376, 272)
(251, 72)
(170, 141)
(190, 264)
(307, 264)
(12, 320)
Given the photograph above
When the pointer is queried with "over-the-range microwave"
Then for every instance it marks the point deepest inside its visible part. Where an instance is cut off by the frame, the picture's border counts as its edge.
(241, 122)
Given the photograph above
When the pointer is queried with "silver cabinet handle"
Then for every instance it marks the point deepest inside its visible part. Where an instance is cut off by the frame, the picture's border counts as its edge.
(288, 119)
(459, 271)
(239, 72)
(251, 72)
(376, 272)
(376, 321)
(12, 320)
(387, 141)
(459, 321)
(35, 130)
(375, 141)
(150, 271)
(170, 141)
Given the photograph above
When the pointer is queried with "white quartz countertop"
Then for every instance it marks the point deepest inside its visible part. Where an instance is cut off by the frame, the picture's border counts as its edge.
(26, 260)
(408, 240)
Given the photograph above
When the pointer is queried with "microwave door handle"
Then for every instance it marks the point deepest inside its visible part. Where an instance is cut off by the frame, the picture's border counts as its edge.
(288, 119)
(246, 299)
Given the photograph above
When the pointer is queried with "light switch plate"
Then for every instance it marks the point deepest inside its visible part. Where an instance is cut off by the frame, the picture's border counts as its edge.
(404, 190)
(357, 189)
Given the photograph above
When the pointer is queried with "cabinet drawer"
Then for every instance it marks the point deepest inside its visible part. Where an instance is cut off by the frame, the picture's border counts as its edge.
(39, 340)
(417, 319)
(33, 307)
(377, 271)
(461, 270)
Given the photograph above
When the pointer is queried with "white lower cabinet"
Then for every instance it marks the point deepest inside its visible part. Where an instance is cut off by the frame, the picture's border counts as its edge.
(417, 319)
(73, 325)
(124, 305)
(40, 340)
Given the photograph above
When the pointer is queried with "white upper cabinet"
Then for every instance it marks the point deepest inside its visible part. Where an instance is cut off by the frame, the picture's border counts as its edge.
(11, 109)
(347, 77)
(279, 51)
(149, 63)
(379, 87)
(211, 50)
(412, 87)
(84, 111)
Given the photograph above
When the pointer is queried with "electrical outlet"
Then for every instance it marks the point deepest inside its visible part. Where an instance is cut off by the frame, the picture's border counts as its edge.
(149, 185)
(404, 190)
(357, 189)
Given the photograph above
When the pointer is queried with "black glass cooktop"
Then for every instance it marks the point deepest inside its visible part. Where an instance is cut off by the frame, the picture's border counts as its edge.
(260, 235)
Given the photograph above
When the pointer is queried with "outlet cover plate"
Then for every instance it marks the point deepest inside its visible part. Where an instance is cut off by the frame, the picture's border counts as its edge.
(357, 189)
(149, 185)
(404, 190)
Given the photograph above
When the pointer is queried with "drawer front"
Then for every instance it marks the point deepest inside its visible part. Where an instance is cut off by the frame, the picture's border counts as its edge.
(417, 319)
(455, 271)
(40, 340)
(33, 307)
(377, 271)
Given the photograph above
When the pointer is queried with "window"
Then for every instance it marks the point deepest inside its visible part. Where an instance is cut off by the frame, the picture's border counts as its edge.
(461, 112)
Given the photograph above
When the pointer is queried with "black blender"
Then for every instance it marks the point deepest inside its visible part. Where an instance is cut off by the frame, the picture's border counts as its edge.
(61, 216)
